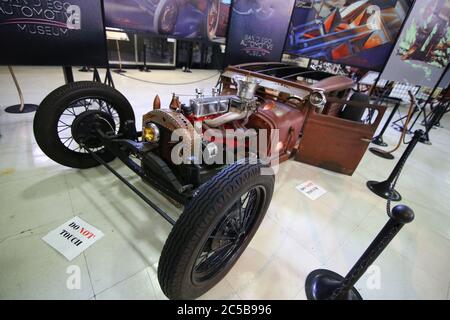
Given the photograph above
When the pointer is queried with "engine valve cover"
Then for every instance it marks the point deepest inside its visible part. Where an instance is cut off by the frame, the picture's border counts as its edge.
(203, 107)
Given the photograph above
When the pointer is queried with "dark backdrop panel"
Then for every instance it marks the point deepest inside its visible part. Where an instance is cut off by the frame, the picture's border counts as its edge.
(186, 19)
(257, 30)
(421, 53)
(355, 33)
(52, 32)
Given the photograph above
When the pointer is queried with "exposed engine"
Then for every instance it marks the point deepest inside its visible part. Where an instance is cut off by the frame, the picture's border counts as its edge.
(223, 116)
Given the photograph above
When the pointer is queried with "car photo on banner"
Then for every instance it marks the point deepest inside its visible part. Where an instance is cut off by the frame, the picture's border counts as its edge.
(189, 19)
(356, 33)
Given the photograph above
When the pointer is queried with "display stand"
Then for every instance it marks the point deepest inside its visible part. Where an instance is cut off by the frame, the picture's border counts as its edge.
(109, 79)
(22, 107)
(328, 285)
(189, 62)
(120, 70)
(145, 68)
(386, 189)
(118, 36)
(68, 74)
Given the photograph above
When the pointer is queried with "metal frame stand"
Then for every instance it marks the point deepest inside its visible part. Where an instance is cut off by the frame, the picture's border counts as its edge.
(120, 70)
(438, 113)
(22, 107)
(327, 285)
(400, 128)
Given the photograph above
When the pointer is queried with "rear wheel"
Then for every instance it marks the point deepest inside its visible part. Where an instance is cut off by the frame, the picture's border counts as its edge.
(65, 118)
(214, 230)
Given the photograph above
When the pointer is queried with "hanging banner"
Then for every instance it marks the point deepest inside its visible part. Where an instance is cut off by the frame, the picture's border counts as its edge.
(187, 19)
(353, 32)
(257, 30)
(52, 32)
(422, 51)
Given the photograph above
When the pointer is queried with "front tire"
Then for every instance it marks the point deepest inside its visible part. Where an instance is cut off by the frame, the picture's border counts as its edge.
(214, 230)
(55, 118)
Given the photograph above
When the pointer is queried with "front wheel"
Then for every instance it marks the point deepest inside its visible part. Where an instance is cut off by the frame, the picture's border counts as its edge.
(62, 124)
(214, 230)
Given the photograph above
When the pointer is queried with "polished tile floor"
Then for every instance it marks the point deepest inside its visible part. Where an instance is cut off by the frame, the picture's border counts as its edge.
(297, 236)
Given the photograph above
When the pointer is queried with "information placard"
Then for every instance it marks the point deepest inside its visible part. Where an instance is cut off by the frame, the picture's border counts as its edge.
(311, 190)
(73, 237)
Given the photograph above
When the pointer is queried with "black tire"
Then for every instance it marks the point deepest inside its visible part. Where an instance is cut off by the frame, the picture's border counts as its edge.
(48, 115)
(201, 217)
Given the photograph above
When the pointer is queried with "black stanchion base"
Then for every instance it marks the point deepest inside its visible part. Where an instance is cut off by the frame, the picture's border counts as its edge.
(145, 69)
(381, 153)
(383, 189)
(26, 109)
(85, 69)
(321, 284)
(119, 71)
(425, 141)
(379, 141)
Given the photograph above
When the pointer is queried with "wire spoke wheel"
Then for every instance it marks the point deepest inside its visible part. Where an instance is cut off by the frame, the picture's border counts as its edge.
(228, 236)
(71, 116)
(214, 230)
(67, 120)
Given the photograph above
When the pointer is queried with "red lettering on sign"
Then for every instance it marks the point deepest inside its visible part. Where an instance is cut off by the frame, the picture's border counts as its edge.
(87, 233)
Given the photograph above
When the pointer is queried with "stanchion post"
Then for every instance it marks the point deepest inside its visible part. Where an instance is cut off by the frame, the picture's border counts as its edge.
(189, 62)
(145, 68)
(327, 285)
(22, 107)
(378, 140)
(385, 189)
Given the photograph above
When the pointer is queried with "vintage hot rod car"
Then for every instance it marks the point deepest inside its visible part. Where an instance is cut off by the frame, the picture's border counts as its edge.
(314, 117)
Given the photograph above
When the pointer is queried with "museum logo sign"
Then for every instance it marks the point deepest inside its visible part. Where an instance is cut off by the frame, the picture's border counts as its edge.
(41, 17)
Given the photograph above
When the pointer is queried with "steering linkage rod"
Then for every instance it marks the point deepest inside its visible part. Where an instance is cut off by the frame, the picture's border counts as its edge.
(129, 185)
